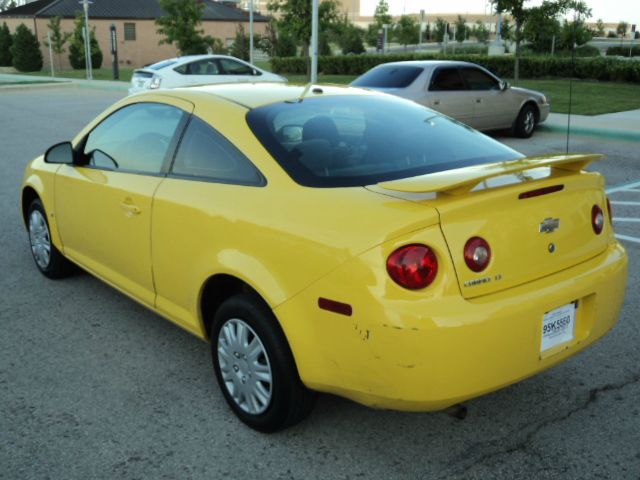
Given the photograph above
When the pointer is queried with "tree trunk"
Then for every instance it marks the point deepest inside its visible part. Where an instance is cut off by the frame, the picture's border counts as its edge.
(516, 63)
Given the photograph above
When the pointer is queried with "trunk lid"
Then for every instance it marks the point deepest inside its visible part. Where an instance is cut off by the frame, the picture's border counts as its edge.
(530, 236)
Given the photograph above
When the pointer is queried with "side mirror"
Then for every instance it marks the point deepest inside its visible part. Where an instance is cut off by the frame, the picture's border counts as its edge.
(255, 72)
(60, 153)
(504, 85)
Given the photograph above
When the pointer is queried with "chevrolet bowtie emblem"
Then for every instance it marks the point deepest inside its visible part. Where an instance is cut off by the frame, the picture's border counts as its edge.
(549, 225)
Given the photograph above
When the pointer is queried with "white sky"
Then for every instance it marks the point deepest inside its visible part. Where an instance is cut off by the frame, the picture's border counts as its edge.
(611, 11)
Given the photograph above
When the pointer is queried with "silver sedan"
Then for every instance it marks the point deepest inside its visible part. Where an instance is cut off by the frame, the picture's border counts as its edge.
(462, 90)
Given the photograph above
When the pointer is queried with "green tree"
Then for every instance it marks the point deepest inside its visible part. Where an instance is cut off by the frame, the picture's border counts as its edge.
(575, 33)
(381, 16)
(506, 32)
(26, 50)
(406, 31)
(440, 30)
(295, 20)
(58, 37)
(600, 28)
(461, 29)
(622, 28)
(76, 46)
(541, 28)
(240, 47)
(348, 36)
(5, 46)
(480, 32)
(276, 42)
(180, 26)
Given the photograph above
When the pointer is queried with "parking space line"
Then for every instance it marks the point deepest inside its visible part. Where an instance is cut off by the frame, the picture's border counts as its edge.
(614, 202)
(625, 219)
(627, 238)
(627, 186)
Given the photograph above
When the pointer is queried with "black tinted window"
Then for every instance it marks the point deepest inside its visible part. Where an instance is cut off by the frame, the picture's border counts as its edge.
(445, 79)
(479, 80)
(362, 140)
(231, 67)
(205, 153)
(390, 76)
(135, 138)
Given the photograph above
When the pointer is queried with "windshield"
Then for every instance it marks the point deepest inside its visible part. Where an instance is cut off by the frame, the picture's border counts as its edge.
(388, 76)
(345, 141)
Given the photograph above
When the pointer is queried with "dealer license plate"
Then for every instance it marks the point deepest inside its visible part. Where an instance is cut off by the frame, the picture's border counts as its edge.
(558, 326)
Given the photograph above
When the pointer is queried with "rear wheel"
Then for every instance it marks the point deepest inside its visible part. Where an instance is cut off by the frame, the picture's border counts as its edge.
(47, 257)
(526, 122)
(255, 367)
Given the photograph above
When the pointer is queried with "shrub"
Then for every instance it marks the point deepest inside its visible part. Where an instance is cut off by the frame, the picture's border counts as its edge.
(623, 51)
(26, 50)
(5, 46)
(76, 46)
(530, 67)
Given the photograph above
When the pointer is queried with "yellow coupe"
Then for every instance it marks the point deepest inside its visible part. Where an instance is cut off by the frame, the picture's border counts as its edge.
(333, 239)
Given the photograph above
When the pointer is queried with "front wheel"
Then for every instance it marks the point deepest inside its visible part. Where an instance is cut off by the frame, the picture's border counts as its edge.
(526, 122)
(47, 257)
(255, 367)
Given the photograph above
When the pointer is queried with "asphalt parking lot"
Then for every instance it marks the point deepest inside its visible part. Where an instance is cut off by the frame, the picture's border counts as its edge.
(92, 385)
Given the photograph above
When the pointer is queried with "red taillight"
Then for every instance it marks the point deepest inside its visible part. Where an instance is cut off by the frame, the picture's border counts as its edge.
(413, 266)
(477, 254)
(610, 211)
(597, 219)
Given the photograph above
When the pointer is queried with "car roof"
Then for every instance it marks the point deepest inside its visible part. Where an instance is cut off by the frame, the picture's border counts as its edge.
(429, 63)
(254, 95)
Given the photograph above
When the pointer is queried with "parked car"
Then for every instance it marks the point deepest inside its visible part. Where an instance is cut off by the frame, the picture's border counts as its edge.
(198, 70)
(333, 239)
(464, 91)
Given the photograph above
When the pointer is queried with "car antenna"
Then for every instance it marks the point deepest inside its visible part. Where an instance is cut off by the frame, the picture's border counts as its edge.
(305, 92)
(573, 72)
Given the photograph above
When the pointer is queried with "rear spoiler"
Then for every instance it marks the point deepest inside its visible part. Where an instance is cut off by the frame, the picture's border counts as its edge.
(463, 180)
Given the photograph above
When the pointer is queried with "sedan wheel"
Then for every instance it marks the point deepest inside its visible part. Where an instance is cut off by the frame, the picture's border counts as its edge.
(48, 258)
(254, 366)
(526, 122)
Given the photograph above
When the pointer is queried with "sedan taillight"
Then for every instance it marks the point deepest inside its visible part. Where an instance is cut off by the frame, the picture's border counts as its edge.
(155, 82)
(597, 219)
(477, 254)
(413, 266)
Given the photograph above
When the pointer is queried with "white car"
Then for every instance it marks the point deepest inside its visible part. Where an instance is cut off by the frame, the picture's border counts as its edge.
(198, 70)
(462, 90)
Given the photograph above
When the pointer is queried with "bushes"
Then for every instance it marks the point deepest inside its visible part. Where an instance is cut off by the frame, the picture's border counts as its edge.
(530, 67)
(26, 51)
(5, 46)
(76, 46)
(623, 51)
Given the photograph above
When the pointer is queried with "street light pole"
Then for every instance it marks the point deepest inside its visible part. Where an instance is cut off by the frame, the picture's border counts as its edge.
(87, 39)
(314, 41)
(251, 32)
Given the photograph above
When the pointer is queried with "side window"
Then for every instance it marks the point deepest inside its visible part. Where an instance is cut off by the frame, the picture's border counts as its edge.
(136, 138)
(447, 79)
(479, 80)
(231, 67)
(205, 153)
(201, 67)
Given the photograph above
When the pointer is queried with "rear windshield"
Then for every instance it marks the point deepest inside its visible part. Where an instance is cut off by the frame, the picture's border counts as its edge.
(343, 141)
(390, 76)
(163, 64)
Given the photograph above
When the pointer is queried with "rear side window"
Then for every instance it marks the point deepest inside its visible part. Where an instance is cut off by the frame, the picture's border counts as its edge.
(347, 141)
(447, 79)
(389, 76)
(205, 153)
(136, 138)
(479, 80)
(231, 67)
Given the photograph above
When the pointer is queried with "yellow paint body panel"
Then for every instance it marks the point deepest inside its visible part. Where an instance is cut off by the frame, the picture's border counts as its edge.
(413, 350)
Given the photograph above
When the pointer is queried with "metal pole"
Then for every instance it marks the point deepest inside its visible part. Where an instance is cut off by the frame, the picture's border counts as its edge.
(87, 38)
(251, 32)
(314, 41)
(114, 52)
(50, 53)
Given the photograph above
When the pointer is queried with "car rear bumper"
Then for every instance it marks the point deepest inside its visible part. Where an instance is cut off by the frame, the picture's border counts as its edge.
(431, 354)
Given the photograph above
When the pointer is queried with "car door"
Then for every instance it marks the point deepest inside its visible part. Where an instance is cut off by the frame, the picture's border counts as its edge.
(448, 93)
(492, 108)
(103, 202)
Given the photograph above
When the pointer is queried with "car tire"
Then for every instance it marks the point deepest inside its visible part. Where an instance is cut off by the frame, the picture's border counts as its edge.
(255, 368)
(47, 257)
(526, 122)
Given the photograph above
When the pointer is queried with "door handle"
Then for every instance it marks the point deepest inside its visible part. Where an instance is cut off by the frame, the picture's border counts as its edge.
(436, 102)
(478, 100)
(130, 208)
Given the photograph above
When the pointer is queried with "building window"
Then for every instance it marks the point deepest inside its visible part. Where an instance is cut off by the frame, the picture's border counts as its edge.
(129, 31)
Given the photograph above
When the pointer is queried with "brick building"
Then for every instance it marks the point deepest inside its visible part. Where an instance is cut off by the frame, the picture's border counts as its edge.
(138, 41)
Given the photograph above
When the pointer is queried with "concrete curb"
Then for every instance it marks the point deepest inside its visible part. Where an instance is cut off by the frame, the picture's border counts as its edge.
(626, 135)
